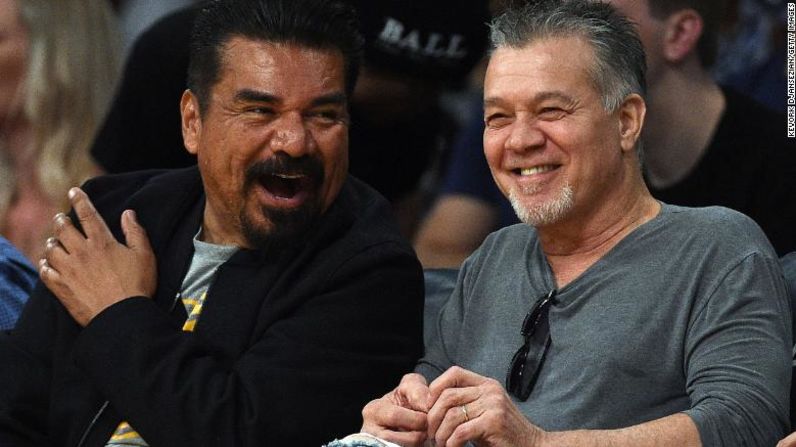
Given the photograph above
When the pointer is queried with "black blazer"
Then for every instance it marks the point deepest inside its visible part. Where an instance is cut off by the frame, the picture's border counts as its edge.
(288, 349)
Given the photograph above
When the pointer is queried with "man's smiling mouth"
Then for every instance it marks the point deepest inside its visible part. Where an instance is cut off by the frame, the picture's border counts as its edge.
(524, 172)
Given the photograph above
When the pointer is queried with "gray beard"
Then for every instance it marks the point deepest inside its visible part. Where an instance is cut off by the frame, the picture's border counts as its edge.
(543, 213)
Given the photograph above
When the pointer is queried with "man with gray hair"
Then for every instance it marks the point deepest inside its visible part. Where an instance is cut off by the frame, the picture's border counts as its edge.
(609, 318)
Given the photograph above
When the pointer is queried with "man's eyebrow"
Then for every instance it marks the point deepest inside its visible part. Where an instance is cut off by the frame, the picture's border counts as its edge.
(492, 101)
(554, 95)
(497, 101)
(248, 95)
(336, 98)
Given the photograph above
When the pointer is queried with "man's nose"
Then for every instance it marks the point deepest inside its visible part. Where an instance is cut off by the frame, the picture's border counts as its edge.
(292, 136)
(525, 136)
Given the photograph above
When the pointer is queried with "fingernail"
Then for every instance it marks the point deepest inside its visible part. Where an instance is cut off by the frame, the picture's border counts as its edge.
(72, 193)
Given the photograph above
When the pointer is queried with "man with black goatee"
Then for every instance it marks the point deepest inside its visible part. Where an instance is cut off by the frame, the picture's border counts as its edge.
(258, 299)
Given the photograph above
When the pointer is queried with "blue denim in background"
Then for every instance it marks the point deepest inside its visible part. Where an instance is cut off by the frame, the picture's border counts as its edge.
(17, 278)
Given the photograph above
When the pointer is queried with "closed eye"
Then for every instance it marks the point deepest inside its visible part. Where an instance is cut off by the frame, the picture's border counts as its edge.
(496, 120)
(326, 116)
(261, 110)
(552, 113)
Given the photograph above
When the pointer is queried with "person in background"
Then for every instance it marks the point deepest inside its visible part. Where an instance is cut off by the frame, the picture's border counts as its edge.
(414, 52)
(607, 317)
(148, 97)
(735, 154)
(17, 278)
(58, 67)
(251, 287)
(135, 16)
(753, 51)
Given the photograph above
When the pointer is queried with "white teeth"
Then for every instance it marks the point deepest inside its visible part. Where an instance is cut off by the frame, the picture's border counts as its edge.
(289, 176)
(536, 169)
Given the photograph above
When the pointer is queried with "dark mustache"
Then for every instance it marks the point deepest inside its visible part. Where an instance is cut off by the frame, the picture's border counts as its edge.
(280, 163)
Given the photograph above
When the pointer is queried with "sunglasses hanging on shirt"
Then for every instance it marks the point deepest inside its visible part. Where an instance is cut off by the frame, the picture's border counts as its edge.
(527, 361)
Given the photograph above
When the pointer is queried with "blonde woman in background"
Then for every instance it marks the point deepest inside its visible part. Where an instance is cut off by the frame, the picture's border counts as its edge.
(59, 61)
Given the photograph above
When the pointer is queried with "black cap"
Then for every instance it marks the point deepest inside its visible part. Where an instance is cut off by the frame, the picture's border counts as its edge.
(433, 39)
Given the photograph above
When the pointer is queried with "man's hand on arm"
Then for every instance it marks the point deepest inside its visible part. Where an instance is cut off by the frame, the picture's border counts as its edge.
(89, 271)
(400, 416)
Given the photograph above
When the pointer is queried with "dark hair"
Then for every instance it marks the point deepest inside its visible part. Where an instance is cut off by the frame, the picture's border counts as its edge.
(712, 13)
(619, 66)
(316, 24)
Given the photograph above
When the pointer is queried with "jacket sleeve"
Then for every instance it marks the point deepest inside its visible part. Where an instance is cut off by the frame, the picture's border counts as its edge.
(302, 381)
(441, 349)
(738, 351)
(25, 373)
(28, 368)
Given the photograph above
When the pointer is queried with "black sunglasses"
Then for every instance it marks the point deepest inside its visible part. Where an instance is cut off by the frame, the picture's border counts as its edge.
(527, 361)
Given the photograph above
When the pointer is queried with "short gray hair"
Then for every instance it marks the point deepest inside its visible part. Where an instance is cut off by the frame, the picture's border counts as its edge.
(619, 66)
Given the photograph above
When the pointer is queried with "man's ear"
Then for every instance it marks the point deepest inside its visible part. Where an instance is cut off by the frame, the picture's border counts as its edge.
(682, 31)
(191, 121)
(631, 120)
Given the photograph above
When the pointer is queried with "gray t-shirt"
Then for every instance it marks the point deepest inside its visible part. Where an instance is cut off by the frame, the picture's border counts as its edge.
(788, 263)
(207, 258)
(688, 313)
